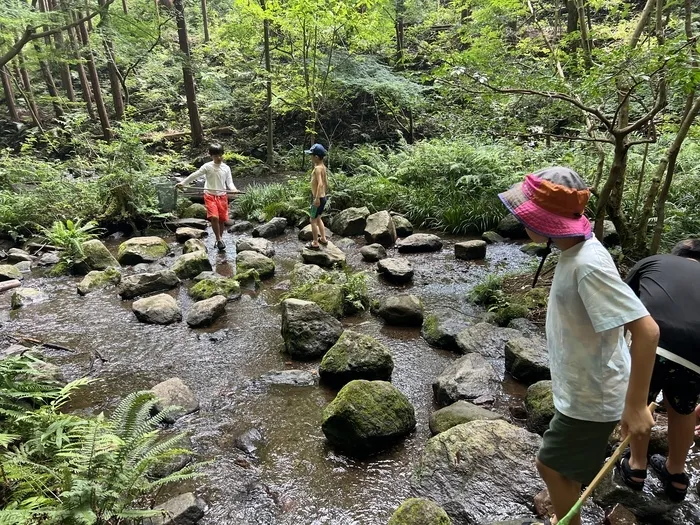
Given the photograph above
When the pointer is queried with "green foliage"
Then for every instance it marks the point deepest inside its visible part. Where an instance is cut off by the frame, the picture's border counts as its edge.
(338, 293)
(488, 292)
(70, 236)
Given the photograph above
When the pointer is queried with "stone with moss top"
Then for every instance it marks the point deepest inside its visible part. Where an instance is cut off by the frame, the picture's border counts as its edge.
(458, 413)
(539, 404)
(99, 279)
(190, 265)
(356, 356)
(8, 272)
(97, 257)
(22, 297)
(142, 250)
(419, 511)
(195, 211)
(250, 260)
(208, 288)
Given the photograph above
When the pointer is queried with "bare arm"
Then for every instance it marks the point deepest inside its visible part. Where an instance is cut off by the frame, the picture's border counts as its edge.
(315, 185)
(194, 176)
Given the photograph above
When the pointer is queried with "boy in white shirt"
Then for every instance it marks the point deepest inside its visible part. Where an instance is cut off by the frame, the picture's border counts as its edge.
(218, 181)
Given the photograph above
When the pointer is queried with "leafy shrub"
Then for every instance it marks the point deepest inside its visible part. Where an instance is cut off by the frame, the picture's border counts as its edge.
(70, 236)
(337, 293)
(488, 292)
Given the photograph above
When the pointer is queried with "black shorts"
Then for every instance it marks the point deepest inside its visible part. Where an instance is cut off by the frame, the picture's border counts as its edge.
(681, 386)
(316, 212)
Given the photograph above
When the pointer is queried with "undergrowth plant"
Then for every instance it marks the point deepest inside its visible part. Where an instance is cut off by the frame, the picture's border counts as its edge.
(69, 236)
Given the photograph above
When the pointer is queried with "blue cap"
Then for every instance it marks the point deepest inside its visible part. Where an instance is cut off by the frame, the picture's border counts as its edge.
(317, 149)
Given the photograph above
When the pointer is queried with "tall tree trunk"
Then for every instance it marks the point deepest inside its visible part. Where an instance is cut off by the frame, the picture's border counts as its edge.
(125, 8)
(196, 130)
(27, 88)
(268, 85)
(607, 197)
(114, 75)
(60, 46)
(46, 70)
(400, 30)
(95, 80)
(205, 19)
(9, 95)
(583, 27)
(571, 16)
(84, 83)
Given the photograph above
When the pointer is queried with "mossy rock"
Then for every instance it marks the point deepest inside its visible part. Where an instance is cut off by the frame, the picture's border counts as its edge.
(9, 272)
(99, 279)
(25, 296)
(195, 211)
(250, 260)
(142, 250)
(328, 296)
(419, 511)
(97, 256)
(457, 413)
(505, 314)
(190, 265)
(539, 404)
(356, 356)
(208, 288)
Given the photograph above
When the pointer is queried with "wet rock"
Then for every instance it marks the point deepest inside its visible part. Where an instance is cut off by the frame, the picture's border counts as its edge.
(380, 229)
(480, 471)
(12, 351)
(539, 405)
(24, 266)
(367, 416)
(204, 276)
(260, 245)
(524, 326)
(418, 511)
(356, 356)
(401, 310)
(184, 234)
(250, 260)
(144, 283)
(470, 250)
(8, 272)
(351, 221)
(442, 330)
(200, 224)
(395, 270)
(610, 236)
(15, 255)
(48, 259)
(467, 378)
(249, 441)
(402, 225)
(142, 250)
(159, 309)
(326, 256)
(511, 228)
(185, 509)
(534, 249)
(9, 285)
(194, 245)
(492, 237)
(305, 234)
(99, 279)
(373, 252)
(591, 514)
(97, 256)
(190, 265)
(22, 297)
(270, 229)
(195, 211)
(543, 504)
(240, 227)
(174, 463)
(458, 413)
(211, 287)
(485, 339)
(306, 273)
(175, 395)
(419, 243)
(308, 331)
(290, 378)
(621, 515)
(204, 313)
(527, 359)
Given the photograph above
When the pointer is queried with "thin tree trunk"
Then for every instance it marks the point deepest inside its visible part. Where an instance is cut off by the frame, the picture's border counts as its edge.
(125, 8)
(606, 197)
(190, 92)
(400, 30)
(28, 92)
(46, 70)
(205, 20)
(114, 75)
(95, 80)
(84, 83)
(9, 95)
(638, 193)
(268, 85)
(60, 45)
(583, 27)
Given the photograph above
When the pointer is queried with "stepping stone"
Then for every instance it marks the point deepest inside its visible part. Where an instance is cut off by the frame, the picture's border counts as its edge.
(194, 245)
(527, 359)
(184, 234)
(373, 252)
(250, 260)
(457, 413)
(470, 250)
(144, 283)
(240, 226)
(200, 224)
(326, 256)
(260, 245)
(396, 270)
(492, 237)
(403, 226)
(9, 272)
(273, 228)
(204, 313)
(402, 310)
(380, 229)
(141, 250)
(350, 222)
(306, 235)
(420, 242)
(470, 377)
(308, 331)
(159, 309)
(176, 394)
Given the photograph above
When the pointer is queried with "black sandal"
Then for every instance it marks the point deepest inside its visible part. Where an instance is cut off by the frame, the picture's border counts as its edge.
(658, 463)
(627, 472)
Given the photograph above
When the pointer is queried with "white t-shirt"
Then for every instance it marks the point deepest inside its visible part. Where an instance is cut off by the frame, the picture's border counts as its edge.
(218, 178)
(589, 359)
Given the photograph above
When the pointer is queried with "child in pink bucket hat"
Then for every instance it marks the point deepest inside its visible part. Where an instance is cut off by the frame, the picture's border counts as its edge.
(596, 379)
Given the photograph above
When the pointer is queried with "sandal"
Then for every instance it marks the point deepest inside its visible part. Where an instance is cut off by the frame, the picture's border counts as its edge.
(627, 473)
(658, 463)
(323, 242)
(312, 246)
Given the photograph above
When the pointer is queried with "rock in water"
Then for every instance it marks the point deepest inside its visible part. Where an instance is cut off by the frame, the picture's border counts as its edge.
(48, 259)
(97, 256)
(539, 405)
(534, 249)
(306, 273)
(144, 283)
(458, 413)
(351, 221)
(176, 395)
(420, 242)
(327, 256)
(511, 228)
(485, 339)
(208, 288)
(260, 245)
(419, 511)
(99, 279)
(271, 229)
(15, 255)
(470, 250)
(373, 252)
(290, 378)
(240, 226)
(250, 260)
(469, 377)
(185, 234)
(185, 509)
(492, 237)
(8, 272)
(22, 297)
(204, 313)
(403, 226)
(190, 265)
(308, 331)
(402, 310)
(24, 266)
(142, 250)
(356, 356)
(395, 270)
(159, 309)
(441, 331)
(480, 471)
(620, 515)
(194, 245)
(367, 416)
(200, 224)
(527, 359)
(195, 211)
(380, 229)
(306, 234)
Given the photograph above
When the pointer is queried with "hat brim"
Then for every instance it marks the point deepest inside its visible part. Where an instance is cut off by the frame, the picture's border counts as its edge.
(308, 152)
(541, 221)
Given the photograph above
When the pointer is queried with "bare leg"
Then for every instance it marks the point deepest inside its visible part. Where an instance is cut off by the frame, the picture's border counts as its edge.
(562, 491)
(322, 229)
(680, 439)
(215, 226)
(314, 232)
(638, 460)
(222, 227)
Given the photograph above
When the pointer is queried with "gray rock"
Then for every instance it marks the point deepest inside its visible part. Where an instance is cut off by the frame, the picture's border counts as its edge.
(204, 313)
(22, 297)
(458, 413)
(8, 272)
(373, 252)
(326, 256)
(190, 265)
(15, 255)
(95, 280)
(195, 211)
(290, 378)
(403, 226)
(208, 276)
(401, 310)
(271, 229)
(380, 229)
(98, 257)
(610, 236)
(468, 378)
(305, 234)
(349, 222)
(418, 511)
(511, 228)
(174, 463)
(144, 283)
(539, 405)
(200, 224)
(184, 234)
(480, 471)
(419, 243)
(470, 250)
(159, 309)
(306, 273)
(174, 394)
(524, 326)
(240, 227)
(142, 250)
(442, 330)
(208, 288)
(24, 266)
(250, 260)
(486, 339)
(194, 245)
(356, 356)
(48, 259)
(256, 244)
(396, 270)
(534, 249)
(249, 441)
(492, 237)
(527, 359)
(308, 331)
(185, 509)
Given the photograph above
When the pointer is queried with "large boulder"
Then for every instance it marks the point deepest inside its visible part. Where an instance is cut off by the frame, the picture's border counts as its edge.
(306, 234)
(306, 274)
(308, 331)
(373, 252)
(270, 229)
(351, 221)
(511, 228)
(250, 260)
(457, 413)
(367, 416)
(255, 244)
(190, 265)
(441, 330)
(48, 259)
(195, 211)
(200, 224)
(184, 234)
(326, 256)
(491, 237)
(380, 229)
(22, 297)
(194, 245)
(159, 309)
(420, 242)
(142, 250)
(15, 255)
(99, 279)
(208, 288)
(480, 471)
(527, 359)
(403, 226)
(144, 283)
(204, 313)
(185, 509)
(175, 395)
(8, 272)
(419, 511)
(396, 270)
(486, 339)
(97, 257)
(240, 227)
(610, 236)
(539, 405)
(470, 250)
(470, 377)
(356, 356)
(401, 310)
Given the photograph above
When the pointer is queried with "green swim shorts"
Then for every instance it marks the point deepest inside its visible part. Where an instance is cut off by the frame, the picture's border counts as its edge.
(574, 448)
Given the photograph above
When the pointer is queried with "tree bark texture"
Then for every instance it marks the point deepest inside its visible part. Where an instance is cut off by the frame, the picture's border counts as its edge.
(196, 130)
(205, 20)
(268, 86)
(95, 80)
(114, 75)
(9, 95)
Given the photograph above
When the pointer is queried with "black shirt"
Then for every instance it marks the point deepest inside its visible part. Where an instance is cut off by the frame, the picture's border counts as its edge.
(669, 287)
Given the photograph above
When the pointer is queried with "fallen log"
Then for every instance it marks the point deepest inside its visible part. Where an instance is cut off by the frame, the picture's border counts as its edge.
(9, 285)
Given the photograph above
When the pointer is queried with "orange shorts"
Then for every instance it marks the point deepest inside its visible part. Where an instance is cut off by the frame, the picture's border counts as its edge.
(217, 206)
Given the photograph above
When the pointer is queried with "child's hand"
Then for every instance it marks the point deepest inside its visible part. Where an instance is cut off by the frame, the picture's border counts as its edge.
(636, 421)
(317, 202)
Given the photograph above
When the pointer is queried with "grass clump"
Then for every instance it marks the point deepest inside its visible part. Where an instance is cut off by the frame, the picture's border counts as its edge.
(208, 288)
(338, 293)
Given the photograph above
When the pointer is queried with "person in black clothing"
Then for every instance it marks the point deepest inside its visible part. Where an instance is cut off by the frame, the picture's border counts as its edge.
(669, 287)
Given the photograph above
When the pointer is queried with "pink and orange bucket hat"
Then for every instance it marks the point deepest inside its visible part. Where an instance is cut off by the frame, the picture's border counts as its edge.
(551, 202)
